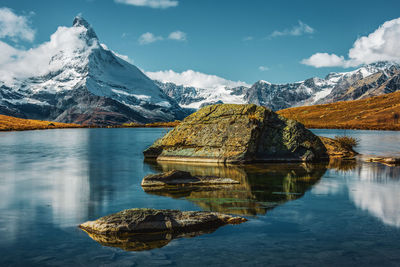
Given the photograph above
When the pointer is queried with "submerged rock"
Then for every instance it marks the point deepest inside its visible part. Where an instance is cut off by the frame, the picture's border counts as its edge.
(176, 178)
(390, 161)
(231, 133)
(135, 221)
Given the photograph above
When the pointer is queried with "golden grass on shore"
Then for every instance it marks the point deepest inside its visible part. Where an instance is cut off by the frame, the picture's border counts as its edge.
(375, 113)
(8, 123)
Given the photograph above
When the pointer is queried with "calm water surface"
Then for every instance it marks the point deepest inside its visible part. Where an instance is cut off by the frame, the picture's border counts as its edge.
(299, 214)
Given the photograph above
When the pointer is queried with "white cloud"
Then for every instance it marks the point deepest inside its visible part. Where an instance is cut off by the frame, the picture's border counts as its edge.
(319, 60)
(150, 3)
(194, 78)
(177, 35)
(15, 27)
(381, 45)
(15, 63)
(263, 68)
(296, 30)
(124, 57)
(148, 38)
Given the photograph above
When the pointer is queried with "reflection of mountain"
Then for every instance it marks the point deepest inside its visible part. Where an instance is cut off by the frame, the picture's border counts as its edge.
(262, 187)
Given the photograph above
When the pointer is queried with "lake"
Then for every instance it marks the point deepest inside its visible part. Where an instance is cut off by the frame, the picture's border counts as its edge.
(342, 213)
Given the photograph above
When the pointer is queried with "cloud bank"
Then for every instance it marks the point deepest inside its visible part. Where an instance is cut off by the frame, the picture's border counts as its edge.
(381, 45)
(15, 27)
(194, 79)
(150, 3)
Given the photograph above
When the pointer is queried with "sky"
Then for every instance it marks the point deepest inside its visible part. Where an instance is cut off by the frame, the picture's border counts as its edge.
(238, 40)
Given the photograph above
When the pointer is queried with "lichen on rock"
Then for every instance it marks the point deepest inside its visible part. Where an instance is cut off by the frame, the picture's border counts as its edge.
(231, 133)
(135, 221)
(142, 229)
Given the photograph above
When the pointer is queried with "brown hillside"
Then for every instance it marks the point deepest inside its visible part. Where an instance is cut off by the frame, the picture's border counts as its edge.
(8, 123)
(374, 113)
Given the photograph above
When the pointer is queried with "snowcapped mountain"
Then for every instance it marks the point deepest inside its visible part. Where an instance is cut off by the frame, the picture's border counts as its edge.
(74, 78)
(194, 89)
(373, 79)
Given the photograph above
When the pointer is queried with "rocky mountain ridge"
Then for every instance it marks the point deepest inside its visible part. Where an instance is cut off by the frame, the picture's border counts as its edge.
(368, 80)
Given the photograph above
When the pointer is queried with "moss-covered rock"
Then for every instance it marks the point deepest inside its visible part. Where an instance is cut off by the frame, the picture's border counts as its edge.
(143, 229)
(232, 133)
(136, 221)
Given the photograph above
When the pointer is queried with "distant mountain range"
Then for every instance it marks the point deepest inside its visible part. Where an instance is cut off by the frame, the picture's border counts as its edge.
(87, 83)
(369, 80)
(82, 81)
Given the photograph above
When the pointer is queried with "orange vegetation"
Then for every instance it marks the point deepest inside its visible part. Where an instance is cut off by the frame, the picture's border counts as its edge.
(375, 113)
(8, 123)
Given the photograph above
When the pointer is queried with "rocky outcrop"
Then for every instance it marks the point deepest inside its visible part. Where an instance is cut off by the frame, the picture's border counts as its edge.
(138, 229)
(143, 229)
(229, 133)
(135, 221)
(176, 178)
(336, 150)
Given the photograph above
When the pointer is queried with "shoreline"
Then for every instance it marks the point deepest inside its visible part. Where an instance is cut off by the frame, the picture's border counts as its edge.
(393, 129)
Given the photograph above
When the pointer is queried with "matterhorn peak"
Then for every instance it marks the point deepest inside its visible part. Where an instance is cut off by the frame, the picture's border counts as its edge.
(81, 22)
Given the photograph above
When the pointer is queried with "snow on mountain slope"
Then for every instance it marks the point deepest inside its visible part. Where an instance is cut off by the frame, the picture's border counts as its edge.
(73, 78)
(193, 89)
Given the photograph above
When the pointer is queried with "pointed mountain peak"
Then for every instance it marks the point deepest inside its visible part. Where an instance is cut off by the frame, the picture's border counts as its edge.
(81, 22)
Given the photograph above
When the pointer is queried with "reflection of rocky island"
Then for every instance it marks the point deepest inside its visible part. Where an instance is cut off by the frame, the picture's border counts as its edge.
(262, 186)
(140, 242)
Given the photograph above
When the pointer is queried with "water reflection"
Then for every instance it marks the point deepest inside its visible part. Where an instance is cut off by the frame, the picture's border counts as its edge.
(146, 241)
(262, 186)
(372, 187)
(377, 191)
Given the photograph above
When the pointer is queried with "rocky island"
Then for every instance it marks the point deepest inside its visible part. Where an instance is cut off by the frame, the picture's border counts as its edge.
(232, 133)
(140, 229)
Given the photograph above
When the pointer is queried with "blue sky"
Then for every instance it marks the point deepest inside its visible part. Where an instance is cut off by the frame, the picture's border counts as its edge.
(235, 39)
